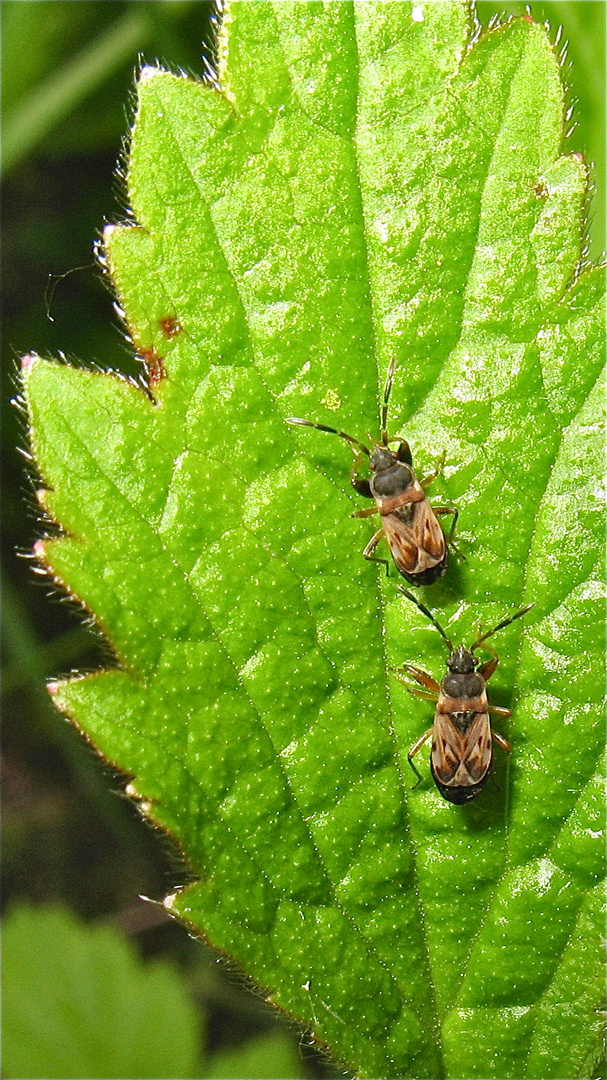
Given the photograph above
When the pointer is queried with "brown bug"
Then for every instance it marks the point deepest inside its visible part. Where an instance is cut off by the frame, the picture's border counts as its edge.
(416, 541)
(462, 744)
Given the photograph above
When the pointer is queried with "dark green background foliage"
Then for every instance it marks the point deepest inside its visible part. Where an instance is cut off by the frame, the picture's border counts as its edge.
(67, 72)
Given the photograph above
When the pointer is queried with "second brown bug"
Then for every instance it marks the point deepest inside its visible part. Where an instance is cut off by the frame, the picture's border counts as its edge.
(462, 737)
(409, 523)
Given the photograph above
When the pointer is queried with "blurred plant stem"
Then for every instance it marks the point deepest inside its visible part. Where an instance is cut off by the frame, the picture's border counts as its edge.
(29, 670)
(37, 113)
(59, 654)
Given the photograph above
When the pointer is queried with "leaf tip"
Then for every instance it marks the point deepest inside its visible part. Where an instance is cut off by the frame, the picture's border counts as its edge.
(148, 72)
(28, 361)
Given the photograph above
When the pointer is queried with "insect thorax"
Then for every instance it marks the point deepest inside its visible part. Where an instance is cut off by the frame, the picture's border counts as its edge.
(463, 686)
(390, 479)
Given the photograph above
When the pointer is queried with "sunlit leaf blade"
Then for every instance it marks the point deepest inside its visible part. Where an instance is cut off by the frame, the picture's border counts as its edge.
(364, 185)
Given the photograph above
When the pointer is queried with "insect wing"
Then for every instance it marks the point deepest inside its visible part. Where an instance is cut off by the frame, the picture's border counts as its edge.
(446, 750)
(430, 536)
(417, 545)
(478, 749)
(461, 759)
(402, 543)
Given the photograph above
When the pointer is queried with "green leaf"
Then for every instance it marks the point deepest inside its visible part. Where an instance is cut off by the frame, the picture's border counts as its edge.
(268, 1057)
(363, 185)
(77, 1002)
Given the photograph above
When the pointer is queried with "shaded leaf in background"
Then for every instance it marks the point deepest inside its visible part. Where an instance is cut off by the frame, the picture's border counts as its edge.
(363, 186)
(77, 1002)
(269, 1057)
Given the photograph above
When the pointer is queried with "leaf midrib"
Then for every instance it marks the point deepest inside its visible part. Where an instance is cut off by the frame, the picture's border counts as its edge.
(432, 1002)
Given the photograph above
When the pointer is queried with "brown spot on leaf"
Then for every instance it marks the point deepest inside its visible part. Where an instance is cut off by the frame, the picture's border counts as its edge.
(154, 365)
(170, 326)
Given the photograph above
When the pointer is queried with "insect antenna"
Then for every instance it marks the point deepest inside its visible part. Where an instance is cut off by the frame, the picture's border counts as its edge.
(387, 392)
(331, 430)
(426, 611)
(501, 625)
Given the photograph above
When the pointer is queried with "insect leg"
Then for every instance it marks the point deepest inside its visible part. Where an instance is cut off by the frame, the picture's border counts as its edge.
(365, 513)
(361, 484)
(437, 470)
(486, 670)
(373, 542)
(501, 742)
(497, 711)
(438, 510)
(420, 676)
(429, 694)
(413, 751)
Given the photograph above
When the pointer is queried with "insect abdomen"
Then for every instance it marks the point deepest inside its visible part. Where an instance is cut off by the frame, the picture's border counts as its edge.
(459, 795)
